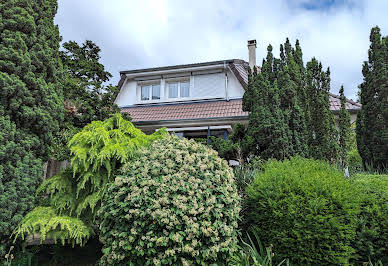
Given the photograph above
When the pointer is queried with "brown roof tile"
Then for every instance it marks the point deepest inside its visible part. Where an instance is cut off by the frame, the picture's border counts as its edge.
(192, 110)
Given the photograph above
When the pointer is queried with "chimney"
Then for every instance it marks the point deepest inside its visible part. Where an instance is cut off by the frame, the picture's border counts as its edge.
(252, 53)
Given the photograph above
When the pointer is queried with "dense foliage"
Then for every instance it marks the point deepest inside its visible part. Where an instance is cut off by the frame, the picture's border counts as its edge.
(267, 130)
(30, 104)
(306, 209)
(289, 108)
(344, 129)
(174, 203)
(322, 131)
(372, 121)
(372, 232)
(87, 98)
(98, 151)
(233, 148)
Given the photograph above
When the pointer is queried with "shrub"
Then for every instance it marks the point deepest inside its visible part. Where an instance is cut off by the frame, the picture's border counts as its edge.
(354, 161)
(74, 195)
(306, 209)
(372, 231)
(175, 203)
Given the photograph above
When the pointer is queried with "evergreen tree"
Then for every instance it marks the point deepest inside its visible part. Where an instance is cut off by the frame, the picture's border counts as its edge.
(322, 132)
(344, 128)
(290, 81)
(372, 120)
(86, 95)
(266, 135)
(30, 104)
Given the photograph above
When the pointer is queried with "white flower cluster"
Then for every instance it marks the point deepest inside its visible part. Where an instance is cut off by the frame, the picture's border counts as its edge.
(177, 203)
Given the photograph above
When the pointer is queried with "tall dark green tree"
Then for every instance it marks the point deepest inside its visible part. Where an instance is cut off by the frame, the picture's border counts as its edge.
(343, 128)
(87, 96)
(372, 120)
(266, 134)
(31, 104)
(289, 108)
(290, 81)
(322, 132)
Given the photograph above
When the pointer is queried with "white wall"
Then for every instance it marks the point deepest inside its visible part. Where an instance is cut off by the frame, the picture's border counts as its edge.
(235, 89)
(209, 86)
(127, 95)
(204, 86)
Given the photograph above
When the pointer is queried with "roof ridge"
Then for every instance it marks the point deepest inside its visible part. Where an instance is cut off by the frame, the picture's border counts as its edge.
(348, 100)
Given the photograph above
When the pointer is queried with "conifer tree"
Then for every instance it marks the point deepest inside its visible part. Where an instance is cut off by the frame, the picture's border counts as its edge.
(30, 104)
(344, 128)
(290, 82)
(372, 120)
(322, 133)
(266, 134)
(86, 97)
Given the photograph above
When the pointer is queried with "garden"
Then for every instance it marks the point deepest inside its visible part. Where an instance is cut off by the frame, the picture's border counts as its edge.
(310, 188)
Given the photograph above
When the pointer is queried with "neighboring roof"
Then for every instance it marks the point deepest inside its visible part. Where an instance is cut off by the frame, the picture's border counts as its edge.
(187, 110)
(335, 104)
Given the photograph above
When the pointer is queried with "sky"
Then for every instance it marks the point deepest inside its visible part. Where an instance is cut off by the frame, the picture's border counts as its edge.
(151, 33)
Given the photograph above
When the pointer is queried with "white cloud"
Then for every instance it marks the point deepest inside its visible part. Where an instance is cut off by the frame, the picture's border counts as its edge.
(141, 34)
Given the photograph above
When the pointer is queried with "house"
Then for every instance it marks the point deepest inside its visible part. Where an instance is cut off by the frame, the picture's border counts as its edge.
(193, 100)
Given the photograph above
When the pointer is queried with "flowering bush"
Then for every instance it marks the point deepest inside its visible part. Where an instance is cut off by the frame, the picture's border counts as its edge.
(174, 203)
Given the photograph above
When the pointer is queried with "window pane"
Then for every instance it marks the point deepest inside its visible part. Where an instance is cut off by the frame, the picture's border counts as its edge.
(173, 90)
(185, 89)
(155, 92)
(145, 93)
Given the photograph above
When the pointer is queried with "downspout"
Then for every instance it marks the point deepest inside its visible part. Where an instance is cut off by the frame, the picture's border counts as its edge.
(226, 82)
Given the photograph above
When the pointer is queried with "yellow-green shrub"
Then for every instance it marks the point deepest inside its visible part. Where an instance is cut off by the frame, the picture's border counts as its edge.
(174, 203)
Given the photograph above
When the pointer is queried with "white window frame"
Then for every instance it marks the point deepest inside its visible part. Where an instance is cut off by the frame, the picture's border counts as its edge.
(150, 85)
(179, 82)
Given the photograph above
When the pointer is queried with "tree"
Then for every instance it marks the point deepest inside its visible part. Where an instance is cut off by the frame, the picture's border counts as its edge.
(322, 133)
(344, 129)
(31, 106)
(87, 98)
(372, 120)
(289, 108)
(266, 133)
(291, 86)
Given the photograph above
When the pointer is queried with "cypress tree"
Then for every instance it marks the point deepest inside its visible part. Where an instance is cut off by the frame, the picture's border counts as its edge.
(322, 132)
(30, 104)
(290, 82)
(266, 134)
(372, 120)
(343, 128)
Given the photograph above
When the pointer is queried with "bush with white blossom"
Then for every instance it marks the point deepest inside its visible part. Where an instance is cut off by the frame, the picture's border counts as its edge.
(175, 203)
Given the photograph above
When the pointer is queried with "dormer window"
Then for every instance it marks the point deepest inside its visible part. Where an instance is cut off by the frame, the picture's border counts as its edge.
(150, 92)
(179, 89)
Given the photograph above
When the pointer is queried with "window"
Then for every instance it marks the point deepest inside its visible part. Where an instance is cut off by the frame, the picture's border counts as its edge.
(155, 92)
(173, 90)
(179, 89)
(185, 89)
(150, 90)
(145, 93)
